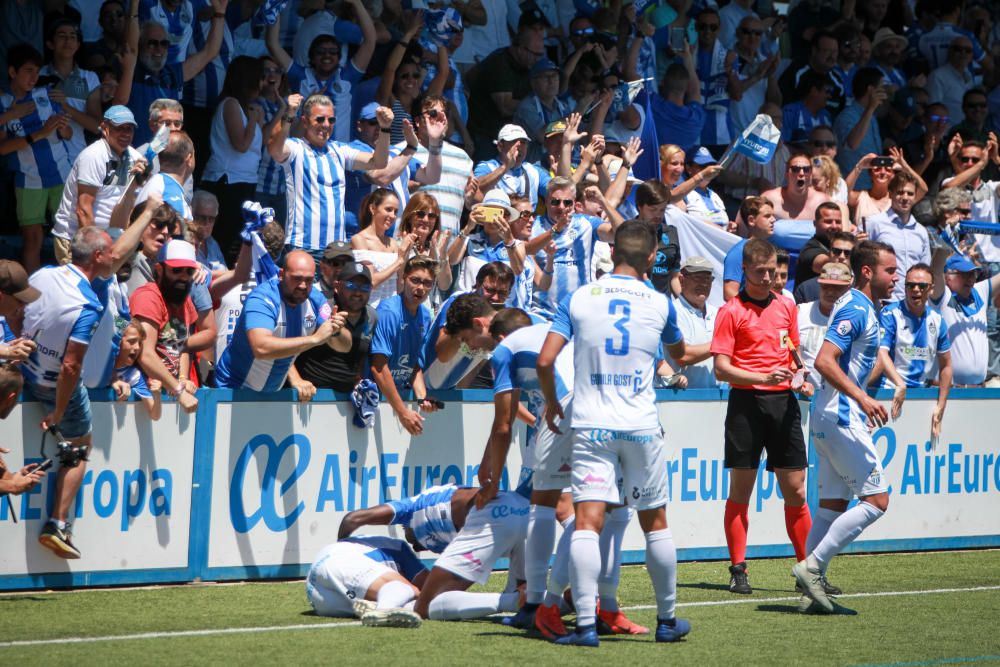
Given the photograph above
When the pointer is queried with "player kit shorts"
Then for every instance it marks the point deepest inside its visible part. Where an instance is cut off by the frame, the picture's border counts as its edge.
(553, 453)
(849, 464)
(490, 533)
(764, 420)
(342, 573)
(620, 466)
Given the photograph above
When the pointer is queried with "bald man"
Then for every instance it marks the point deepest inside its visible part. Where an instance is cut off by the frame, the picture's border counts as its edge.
(281, 318)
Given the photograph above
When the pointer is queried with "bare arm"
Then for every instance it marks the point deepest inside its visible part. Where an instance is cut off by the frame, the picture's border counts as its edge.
(363, 55)
(380, 515)
(265, 345)
(205, 335)
(272, 38)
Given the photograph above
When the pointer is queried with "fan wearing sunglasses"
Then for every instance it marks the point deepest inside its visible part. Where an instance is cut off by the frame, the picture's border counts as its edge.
(969, 160)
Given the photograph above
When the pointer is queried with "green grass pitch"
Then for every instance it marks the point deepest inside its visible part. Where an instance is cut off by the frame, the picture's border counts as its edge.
(911, 610)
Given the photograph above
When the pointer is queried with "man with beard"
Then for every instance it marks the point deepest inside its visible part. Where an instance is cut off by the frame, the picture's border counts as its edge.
(155, 78)
(281, 318)
(168, 316)
(325, 367)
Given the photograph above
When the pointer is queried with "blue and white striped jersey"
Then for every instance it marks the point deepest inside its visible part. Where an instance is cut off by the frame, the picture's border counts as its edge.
(394, 554)
(68, 310)
(428, 515)
(338, 87)
(524, 286)
(515, 362)
(854, 329)
(314, 189)
(571, 266)
(177, 23)
(617, 325)
(45, 163)
(913, 342)
(99, 364)
(712, 73)
(170, 190)
(270, 178)
(203, 90)
(527, 180)
(444, 374)
(266, 309)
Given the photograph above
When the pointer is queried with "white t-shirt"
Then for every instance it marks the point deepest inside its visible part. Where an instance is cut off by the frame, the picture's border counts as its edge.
(970, 348)
(812, 331)
(97, 166)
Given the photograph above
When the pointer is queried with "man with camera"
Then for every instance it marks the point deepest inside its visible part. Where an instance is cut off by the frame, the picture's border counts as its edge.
(62, 322)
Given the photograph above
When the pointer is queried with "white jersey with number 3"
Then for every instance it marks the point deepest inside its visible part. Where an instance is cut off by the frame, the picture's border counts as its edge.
(616, 325)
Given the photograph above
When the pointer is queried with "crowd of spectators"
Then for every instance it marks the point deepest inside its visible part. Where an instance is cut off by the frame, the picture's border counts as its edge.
(405, 153)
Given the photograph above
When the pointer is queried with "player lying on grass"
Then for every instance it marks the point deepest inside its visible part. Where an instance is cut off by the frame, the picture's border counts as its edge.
(375, 578)
(444, 519)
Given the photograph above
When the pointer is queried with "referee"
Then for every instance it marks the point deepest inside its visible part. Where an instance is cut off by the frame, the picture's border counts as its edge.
(752, 354)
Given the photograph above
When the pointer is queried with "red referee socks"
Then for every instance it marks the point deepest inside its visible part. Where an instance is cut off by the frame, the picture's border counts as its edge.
(735, 524)
(797, 523)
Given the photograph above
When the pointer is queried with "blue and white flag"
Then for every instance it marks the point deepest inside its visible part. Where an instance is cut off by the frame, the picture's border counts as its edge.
(647, 166)
(267, 13)
(758, 142)
(264, 267)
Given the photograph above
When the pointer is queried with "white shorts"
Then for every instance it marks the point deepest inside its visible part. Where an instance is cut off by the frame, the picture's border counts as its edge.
(495, 531)
(553, 455)
(849, 464)
(341, 574)
(620, 467)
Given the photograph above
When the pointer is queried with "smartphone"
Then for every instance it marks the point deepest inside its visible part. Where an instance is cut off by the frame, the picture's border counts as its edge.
(678, 38)
(781, 9)
(492, 214)
(882, 161)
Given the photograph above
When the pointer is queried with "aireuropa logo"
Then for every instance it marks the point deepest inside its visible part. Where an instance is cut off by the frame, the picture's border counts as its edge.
(270, 490)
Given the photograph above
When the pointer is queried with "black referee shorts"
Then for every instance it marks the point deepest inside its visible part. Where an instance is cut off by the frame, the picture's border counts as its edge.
(764, 420)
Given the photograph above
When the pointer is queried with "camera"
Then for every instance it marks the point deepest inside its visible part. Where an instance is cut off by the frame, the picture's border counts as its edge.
(882, 162)
(69, 455)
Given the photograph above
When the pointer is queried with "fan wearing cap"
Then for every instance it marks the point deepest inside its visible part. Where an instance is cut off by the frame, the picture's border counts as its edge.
(401, 169)
(510, 171)
(835, 279)
(36, 141)
(488, 237)
(97, 180)
(703, 202)
(963, 298)
(696, 320)
(62, 322)
(281, 318)
(543, 106)
(15, 294)
(324, 366)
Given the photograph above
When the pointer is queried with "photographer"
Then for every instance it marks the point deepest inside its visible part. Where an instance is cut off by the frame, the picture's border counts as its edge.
(28, 476)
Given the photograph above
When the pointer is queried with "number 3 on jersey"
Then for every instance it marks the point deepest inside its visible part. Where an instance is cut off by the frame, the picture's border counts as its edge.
(614, 307)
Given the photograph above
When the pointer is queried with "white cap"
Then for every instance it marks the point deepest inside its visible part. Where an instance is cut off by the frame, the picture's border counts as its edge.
(511, 132)
(177, 254)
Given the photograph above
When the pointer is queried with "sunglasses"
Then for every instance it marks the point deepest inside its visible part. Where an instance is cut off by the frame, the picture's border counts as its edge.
(964, 211)
(843, 252)
(162, 43)
(358, 287)
(968, 158)
(939, 119)
(429, 215)
(919, 286)
(747, 31)
(583, 31)
(323, 120)
(433, 113)
(417, 282)
(526, 215)
(270, 71)
(800, 169)
(160, 225)
(711, 27)
(328, 51)
(561, 202)
(824, 144)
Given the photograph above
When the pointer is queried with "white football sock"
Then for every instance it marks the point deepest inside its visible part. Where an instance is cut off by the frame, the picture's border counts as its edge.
(540, 540)
(821, 524)
(559, 575)
(394, 594)
(462, 605)
(585, 568)
(661, 563)
(611, 557)
(844, 530)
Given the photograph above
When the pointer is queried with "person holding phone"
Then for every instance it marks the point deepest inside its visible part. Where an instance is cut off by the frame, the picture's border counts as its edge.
(25, 479)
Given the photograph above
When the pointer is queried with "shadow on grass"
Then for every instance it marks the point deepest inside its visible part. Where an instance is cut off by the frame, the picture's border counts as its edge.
(705, 586)
(838, 610)
(14, 599)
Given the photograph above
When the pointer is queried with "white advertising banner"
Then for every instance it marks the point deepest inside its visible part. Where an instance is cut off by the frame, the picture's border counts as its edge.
(134, 506)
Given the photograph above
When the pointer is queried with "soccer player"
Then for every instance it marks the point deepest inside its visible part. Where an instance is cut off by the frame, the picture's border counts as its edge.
(374, 578)
(753, 335)
(617, 325)
(843, 417)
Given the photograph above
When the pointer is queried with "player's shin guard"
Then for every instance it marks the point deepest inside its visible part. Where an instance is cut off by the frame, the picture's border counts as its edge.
(585, 568)
(611, 557)
(736, 523)
(394, 594)
(462, 605)
(540, 541)
(559, 575)
(797, 524)
(820, 525)
(844, 530)
(661, 563)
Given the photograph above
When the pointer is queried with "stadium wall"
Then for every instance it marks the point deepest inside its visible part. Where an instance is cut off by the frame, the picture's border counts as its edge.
(252, 486)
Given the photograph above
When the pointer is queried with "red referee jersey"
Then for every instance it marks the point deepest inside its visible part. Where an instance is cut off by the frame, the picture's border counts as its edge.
(754, 337)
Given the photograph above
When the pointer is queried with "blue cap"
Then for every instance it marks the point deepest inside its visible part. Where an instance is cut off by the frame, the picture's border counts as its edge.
(119, 115)
(542, 66)
(702, 157)
(959, 264)
(368, 111)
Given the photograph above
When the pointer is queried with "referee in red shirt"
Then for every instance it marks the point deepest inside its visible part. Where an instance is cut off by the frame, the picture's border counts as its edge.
(752, 354)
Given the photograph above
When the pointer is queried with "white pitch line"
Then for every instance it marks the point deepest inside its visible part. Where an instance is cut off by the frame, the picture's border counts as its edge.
(354, 624)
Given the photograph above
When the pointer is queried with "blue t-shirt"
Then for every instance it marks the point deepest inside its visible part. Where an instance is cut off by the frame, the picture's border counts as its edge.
(681, 125)
(732, 267)
(398, 337)
(148, 86)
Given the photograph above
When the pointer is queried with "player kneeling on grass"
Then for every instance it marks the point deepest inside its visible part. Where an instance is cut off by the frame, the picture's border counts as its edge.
(843, 418)
(375, 578)
(617, 325)
(444, 519)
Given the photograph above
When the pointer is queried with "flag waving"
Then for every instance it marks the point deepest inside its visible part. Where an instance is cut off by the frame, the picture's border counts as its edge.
(758, 141)
(648, 165)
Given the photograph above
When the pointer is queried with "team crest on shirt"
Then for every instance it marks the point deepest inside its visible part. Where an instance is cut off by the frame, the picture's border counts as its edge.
(844, 328)
(309, 322)
(932, 329)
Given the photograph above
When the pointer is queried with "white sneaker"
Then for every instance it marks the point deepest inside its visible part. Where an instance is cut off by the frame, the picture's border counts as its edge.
(391, 618)
(362, 607)
(993, 382)
(812, 585)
